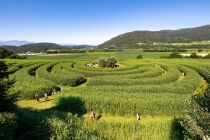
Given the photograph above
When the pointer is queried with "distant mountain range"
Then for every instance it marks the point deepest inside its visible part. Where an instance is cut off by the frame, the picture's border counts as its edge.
(182, 35)
(34, 47)
(14, 43)
(20, 43)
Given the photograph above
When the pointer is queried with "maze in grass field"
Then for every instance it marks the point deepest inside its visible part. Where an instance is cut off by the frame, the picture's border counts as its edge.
(149, 88)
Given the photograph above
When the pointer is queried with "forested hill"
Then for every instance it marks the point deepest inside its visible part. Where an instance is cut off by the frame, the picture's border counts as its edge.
(40, 47)
(181, 35)
(43, 47)
(35, 47)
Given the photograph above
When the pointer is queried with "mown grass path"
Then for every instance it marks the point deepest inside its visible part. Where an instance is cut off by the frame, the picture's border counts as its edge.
(34, 104)
(42, 105)
(128, 119)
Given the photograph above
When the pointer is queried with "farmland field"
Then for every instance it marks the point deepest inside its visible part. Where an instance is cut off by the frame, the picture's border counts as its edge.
(152, 87)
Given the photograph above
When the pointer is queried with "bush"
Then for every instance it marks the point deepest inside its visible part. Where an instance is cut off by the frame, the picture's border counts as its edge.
(196, 124)
(175, 55)
(8, 125)
(101, 63)
(15, 56)
(194, 55)
(139, 57)
(200, 50)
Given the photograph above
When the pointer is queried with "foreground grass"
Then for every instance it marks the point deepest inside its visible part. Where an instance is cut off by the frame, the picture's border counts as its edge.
(42, 105)
(114, 127)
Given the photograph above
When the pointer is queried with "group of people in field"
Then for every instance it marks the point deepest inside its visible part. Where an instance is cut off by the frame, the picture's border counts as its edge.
(37, 97)
(93, 115)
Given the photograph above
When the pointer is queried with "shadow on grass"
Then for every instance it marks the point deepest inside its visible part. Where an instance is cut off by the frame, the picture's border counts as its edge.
(71, 104)
(61, 120)
(46, 100)
(45, 124)
(32, 124)
(176, 132)
(98, 117)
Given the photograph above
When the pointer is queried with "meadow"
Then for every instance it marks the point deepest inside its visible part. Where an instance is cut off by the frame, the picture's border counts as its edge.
(152, 87)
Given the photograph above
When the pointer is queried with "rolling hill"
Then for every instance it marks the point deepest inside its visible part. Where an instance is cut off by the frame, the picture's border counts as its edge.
(42, 47)
(181, 35)
(35, 47)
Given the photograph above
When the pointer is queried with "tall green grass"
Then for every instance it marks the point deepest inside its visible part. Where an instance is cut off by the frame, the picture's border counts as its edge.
(58, 77)
(30, 85)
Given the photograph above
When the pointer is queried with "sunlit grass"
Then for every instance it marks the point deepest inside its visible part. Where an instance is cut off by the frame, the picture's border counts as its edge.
(40, 105)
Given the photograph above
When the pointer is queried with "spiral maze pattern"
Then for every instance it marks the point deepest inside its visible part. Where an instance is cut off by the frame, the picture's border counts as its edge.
(148, 88)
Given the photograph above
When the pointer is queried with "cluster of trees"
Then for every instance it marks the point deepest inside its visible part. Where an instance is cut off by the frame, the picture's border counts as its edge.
(107, 62)
(66, 51)
(172, 47)
(4, 53)
(165, 50)
(105, 50)
(8, 119)
(149, 47)
(197, 125)
(8, 54)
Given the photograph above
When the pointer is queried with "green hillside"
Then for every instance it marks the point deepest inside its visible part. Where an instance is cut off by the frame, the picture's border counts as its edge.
(166, 36)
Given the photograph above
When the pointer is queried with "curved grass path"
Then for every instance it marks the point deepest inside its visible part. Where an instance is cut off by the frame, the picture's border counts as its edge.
(42, 105)
(34, 104)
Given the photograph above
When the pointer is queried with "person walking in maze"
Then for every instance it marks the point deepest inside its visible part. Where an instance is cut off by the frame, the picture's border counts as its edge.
(138, 117)
(53, 92)
(92, 114)
(37, 97)
(183, 74)
(46, 97)
(61, 89)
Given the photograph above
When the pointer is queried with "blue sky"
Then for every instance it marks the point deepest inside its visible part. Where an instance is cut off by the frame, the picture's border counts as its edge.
(95, 21)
